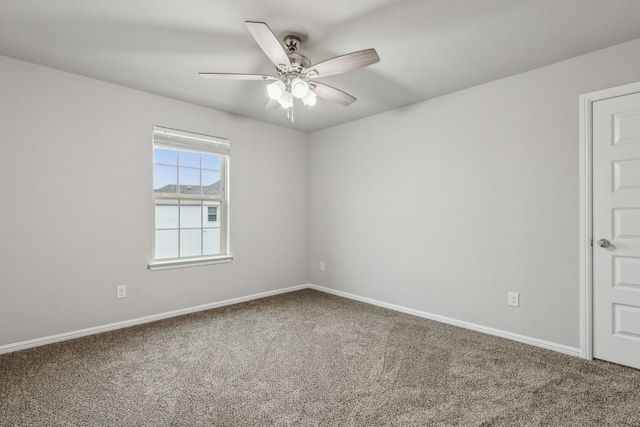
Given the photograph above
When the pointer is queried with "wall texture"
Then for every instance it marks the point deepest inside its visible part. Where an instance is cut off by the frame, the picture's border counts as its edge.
(446, 205)
(77, 212)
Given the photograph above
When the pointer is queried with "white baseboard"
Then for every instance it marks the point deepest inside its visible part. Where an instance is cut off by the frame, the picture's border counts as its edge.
(8, 348)
(572, 351)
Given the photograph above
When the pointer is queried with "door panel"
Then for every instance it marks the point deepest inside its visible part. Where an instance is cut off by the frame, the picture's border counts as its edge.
(626, 223)
(626, 272)
(616, 218)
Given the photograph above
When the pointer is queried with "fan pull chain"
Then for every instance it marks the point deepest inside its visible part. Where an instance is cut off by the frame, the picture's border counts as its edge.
(290, 113)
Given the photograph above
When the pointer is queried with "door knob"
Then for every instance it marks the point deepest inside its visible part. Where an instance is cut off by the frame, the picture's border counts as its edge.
(603, 243)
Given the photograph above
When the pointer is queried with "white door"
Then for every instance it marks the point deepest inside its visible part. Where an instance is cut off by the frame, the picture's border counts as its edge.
(616, 230)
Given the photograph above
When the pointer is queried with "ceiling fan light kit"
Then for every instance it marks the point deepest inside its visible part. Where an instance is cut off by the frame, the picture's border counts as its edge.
(309, 99)
(286, 100)
(299, 88)
(276, 89)
(293, 70)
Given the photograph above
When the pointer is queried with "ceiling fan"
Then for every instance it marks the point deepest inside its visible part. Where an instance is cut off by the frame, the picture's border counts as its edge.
(294, 72)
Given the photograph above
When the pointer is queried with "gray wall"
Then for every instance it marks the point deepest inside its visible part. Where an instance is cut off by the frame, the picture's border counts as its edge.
(442, 206)
(76, 210)
(446, 205)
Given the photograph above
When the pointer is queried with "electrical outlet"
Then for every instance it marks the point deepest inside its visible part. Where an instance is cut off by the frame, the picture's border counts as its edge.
(514, 299)
(321, 265)
(121, 291)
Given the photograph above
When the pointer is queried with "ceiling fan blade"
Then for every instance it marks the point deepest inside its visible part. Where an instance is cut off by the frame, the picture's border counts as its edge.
(272, 104)
(236, 76)
(331, 93)
(342, 64)
(269, 44)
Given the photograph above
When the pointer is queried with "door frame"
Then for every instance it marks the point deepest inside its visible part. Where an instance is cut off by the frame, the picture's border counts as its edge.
(586, 209)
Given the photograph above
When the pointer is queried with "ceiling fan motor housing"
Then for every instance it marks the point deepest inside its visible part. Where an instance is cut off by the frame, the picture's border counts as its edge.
(298, 62)
(292, 43)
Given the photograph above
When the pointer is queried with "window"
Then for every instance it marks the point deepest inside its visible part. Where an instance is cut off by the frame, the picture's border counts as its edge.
(190, 194)
(212, 214)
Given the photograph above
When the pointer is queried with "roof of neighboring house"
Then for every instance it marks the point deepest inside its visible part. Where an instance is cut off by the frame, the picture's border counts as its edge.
(207, 190)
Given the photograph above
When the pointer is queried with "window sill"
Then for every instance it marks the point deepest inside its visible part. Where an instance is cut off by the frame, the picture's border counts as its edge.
(191, 262)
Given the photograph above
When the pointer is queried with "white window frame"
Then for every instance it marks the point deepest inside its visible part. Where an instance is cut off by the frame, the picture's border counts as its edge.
(176, 139)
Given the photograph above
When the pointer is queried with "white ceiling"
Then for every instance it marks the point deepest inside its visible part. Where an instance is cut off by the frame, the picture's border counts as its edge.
(427, 47)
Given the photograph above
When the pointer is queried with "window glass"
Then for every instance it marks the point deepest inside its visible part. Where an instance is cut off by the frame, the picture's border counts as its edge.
(211, 183)
(165, 157)
(190, 242)
(211, 241)
(166, 244)
(190, 214)
(188, 158)
(165, 179)
(167, 214)
(189, 181)
(210, 161)
(212, 214)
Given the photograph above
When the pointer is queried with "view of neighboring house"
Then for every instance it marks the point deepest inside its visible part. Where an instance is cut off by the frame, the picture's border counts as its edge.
(187, 228)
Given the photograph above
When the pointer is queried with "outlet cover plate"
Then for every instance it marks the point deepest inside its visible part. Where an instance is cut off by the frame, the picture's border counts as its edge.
(121, 291)
(514, 299)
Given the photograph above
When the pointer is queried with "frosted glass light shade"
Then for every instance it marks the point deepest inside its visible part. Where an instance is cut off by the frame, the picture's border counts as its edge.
(286, 100)
(309, 98)
(276, 89)
(299, 87)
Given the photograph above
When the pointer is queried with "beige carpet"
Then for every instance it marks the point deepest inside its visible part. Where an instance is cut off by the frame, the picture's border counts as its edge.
(309, 359)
